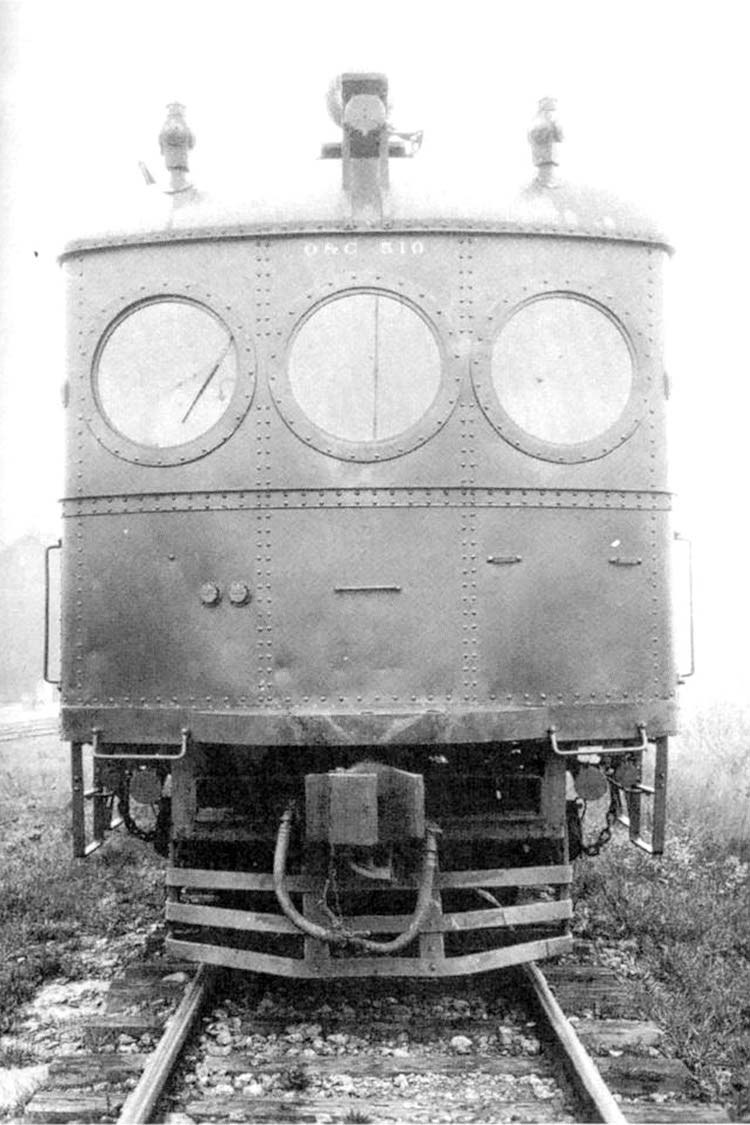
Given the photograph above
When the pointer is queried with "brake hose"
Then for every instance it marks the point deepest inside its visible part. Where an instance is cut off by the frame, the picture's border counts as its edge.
(342, 937)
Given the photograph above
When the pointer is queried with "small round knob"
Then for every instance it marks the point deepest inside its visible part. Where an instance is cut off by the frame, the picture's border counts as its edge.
(239, 594)
(210, 594)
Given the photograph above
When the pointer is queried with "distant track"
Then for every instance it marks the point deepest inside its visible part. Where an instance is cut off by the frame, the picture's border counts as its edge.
(28, 728)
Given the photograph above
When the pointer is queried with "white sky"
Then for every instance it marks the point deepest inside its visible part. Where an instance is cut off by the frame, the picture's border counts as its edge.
(653, 100)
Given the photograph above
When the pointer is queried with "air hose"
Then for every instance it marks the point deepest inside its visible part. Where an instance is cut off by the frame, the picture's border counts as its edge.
(343, 937)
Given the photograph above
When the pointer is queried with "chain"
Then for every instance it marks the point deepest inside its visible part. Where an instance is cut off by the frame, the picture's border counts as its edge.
(335, 915)
(605, 833)
(148, 835)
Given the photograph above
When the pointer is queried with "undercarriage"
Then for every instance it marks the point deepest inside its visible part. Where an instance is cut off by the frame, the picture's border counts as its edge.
(423, 861)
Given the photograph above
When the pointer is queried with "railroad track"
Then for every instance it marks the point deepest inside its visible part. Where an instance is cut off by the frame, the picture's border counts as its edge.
(28, 728)
(267, 1050)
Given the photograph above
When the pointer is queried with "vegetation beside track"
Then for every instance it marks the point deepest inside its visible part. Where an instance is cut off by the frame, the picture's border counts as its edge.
(683, 922)
(61, 917)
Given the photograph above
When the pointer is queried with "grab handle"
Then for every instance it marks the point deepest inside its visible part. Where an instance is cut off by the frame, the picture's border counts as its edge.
(682, 676)
(642, 745)
(100, 753)
(45, 669)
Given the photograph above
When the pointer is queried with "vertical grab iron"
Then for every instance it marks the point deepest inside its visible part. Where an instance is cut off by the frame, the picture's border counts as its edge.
(679, 538)
(45, 669)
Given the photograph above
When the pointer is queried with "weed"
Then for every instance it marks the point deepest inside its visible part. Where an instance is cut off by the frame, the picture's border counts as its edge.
(17, 1053)
(296, 1078)
(357, 1117)
(688, 914)
(49, 900)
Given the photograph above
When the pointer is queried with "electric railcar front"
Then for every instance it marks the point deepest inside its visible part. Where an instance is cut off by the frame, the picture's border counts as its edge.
(367, 535)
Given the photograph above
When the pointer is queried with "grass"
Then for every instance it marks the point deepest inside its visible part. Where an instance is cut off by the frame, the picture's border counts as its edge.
(50, 904)
(17, 1055)
(686, 917)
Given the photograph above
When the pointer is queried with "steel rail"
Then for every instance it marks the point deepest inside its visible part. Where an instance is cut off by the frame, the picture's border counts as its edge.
(584, 1069)
(140, 1103)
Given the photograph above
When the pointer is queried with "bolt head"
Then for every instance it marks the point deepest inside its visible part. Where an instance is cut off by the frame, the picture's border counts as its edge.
(210, 594)
(239, 594)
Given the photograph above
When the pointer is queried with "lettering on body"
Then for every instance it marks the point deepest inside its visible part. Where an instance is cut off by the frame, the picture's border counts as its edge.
(388, 247)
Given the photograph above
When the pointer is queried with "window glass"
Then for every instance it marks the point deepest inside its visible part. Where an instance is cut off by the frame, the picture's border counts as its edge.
(166, 372)
(364, 367)
(562, 370)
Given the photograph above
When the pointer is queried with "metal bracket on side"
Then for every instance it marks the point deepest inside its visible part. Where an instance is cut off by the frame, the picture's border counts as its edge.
(658, 793)
(101, 805)
(634, 794)
(99, 795)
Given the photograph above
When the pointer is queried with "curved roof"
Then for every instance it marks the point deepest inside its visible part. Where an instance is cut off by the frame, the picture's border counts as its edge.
(415, 202)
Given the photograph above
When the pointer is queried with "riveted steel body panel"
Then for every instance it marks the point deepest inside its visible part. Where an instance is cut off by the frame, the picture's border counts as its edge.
(145, 637)
(423, 633)
(582, 617)
(366, 607)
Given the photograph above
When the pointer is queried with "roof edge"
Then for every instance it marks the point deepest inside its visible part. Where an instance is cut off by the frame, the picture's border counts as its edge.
(386, 229)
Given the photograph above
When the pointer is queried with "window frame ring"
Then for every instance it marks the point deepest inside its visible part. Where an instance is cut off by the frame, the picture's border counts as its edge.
(105, 323)
(451, 372)
(591, 449)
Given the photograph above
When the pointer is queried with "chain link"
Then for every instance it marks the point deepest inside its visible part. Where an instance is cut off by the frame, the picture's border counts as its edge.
(605, 833)
(122, 793)
(335, 915)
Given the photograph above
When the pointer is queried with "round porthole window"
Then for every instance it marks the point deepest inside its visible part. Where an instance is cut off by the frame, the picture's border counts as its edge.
(364, 367)
(165, 375)
(560, 379)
